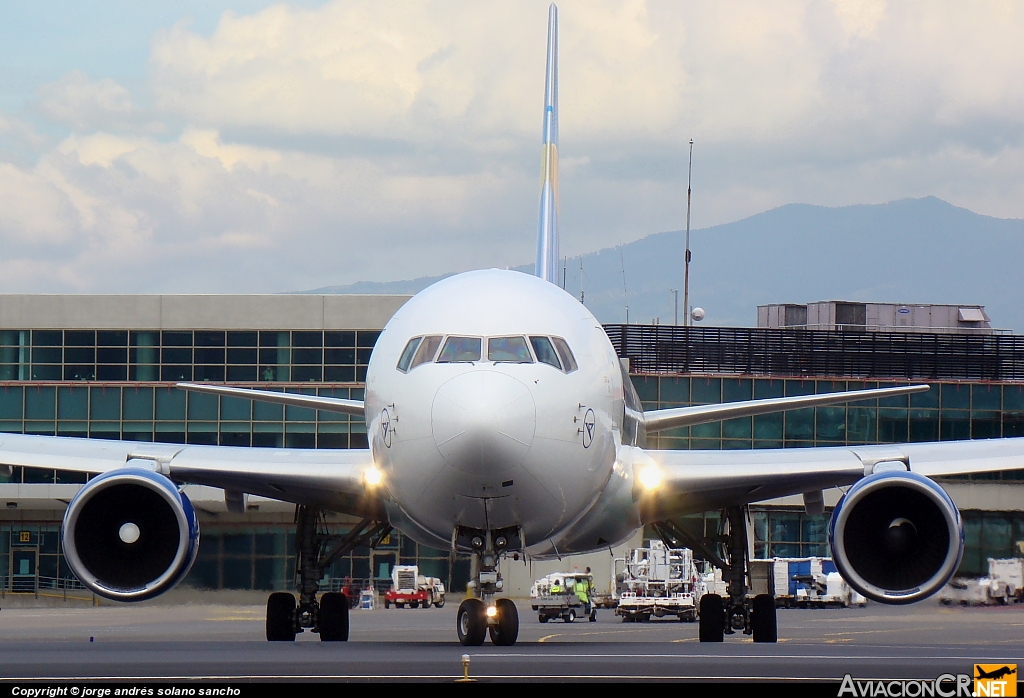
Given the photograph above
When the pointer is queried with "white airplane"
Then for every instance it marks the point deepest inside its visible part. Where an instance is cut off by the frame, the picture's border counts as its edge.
(501, 421)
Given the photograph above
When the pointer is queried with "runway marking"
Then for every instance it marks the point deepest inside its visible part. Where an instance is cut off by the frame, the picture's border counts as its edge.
(424, 677)
(890, 631)
(237, 615)
(595, 632)
(734, 657)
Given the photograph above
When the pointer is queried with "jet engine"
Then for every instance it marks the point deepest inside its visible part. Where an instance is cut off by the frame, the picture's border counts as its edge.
(130, 535)
(896, 537)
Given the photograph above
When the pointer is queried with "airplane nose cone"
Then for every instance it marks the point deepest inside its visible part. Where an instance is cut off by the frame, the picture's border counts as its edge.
(483, 422)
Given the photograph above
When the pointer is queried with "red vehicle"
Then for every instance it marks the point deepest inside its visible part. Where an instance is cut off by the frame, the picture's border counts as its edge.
(409, 587)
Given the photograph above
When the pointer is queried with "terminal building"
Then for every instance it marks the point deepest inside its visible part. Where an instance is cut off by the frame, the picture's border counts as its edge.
(105, 367)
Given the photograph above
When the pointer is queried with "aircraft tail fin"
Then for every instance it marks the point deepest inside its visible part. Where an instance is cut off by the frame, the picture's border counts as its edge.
(547, 236)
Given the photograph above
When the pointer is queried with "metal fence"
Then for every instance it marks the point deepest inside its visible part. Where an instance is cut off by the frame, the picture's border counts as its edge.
(818, 353)
(18, 582)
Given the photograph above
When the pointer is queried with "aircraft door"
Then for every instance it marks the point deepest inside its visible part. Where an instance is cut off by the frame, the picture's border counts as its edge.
(23, 569)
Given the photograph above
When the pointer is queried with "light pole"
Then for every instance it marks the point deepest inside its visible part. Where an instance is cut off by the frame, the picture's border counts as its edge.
(686, 273)
(675, 306)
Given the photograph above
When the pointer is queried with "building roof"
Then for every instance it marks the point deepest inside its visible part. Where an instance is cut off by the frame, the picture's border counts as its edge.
(198, 312)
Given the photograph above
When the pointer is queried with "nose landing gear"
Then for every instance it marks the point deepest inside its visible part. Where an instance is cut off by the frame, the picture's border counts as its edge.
(485, 614)
(329, 615)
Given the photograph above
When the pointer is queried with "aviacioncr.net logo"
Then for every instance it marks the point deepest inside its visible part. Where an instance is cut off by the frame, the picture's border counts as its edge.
(944, 686)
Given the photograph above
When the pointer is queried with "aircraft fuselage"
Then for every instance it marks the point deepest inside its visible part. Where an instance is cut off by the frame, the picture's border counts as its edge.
(505, 440)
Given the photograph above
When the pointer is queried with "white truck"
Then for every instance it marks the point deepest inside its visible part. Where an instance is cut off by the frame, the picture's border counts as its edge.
(409, 587)
(657, 581)
(1003, 585)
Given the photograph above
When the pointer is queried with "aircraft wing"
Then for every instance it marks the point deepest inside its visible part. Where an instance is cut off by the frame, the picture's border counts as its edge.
(674, 417)
(314, 402)
(695, 481)
(331, 478)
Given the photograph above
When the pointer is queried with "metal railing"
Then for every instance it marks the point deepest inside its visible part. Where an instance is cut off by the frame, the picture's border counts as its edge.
(786, 352)
(18, 582)
(848, 327)
(46, 587)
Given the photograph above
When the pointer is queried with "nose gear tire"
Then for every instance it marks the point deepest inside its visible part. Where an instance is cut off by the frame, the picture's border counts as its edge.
(505, 633)
(471, 623)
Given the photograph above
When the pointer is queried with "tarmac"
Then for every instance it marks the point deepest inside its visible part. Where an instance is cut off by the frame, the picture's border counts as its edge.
(50, 639)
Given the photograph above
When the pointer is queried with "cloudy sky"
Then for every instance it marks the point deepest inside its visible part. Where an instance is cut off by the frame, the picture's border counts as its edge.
(254, 147)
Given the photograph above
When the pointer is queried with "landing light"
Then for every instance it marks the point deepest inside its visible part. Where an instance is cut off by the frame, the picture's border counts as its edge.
(492, 611)
(650, 477)
(373, 476)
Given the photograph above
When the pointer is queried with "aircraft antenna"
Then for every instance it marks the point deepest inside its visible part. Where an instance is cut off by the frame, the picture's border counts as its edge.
(686, 273)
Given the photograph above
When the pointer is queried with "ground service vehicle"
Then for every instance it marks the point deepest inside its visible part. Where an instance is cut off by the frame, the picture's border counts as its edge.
(410, 588)
(1003, 585)
(553, 597)
(811, 582)
(657, 581)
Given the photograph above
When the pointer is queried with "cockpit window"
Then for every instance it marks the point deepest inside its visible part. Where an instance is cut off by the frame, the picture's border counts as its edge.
(408, 353)
(425, 353)
(568, 360)
(545, 352)
(508, 349)
(458, 349)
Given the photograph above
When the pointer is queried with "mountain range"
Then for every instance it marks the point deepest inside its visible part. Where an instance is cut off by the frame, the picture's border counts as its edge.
(909, 251)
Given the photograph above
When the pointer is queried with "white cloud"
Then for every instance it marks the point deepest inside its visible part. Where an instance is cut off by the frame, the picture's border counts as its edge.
(293, 148)
(104, 213)
(81, 103)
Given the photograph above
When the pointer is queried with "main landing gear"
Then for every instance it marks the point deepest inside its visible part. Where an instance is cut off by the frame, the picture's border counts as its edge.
(485, 614)
(720, 616)
(329, 615)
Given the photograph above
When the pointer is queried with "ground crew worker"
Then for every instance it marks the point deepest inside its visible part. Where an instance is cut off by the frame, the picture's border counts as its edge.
(581, 591)
(556, 588)
(590, 594)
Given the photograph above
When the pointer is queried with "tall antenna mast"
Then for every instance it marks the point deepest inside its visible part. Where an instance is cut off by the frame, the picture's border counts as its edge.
(686, 273)
(625, 297)
(581, 278)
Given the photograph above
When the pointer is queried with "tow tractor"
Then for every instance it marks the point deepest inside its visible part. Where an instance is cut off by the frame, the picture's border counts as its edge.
(562, 604)
(409, 587)
(1003, 585)
(657, 581)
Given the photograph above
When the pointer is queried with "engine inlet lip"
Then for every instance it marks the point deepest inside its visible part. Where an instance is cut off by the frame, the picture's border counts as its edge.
(128, 476)
(932, 491)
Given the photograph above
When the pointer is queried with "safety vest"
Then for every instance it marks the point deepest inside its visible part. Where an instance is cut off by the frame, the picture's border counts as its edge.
(581, 591)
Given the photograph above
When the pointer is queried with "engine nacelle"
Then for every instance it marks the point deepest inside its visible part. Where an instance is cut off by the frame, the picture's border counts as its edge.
(896, 537)
(130, 535)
